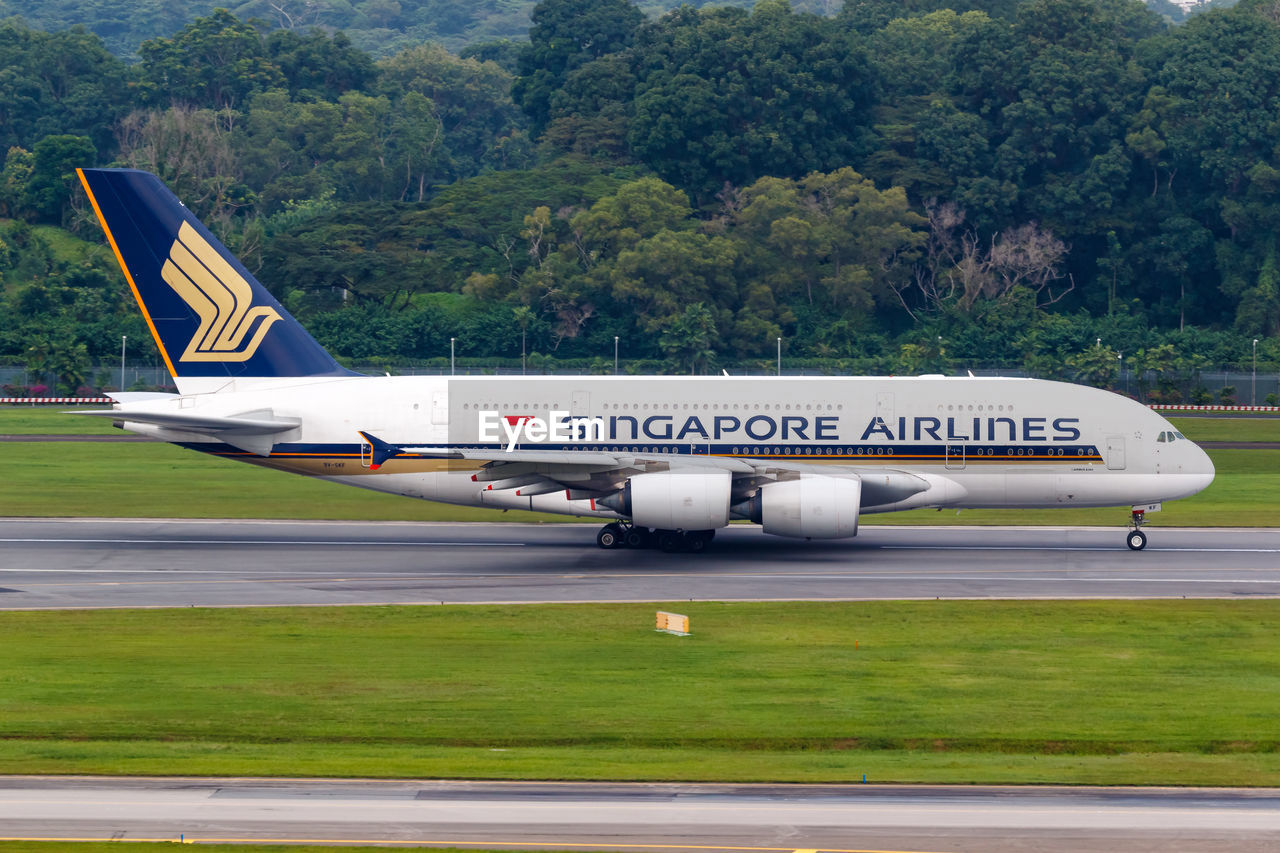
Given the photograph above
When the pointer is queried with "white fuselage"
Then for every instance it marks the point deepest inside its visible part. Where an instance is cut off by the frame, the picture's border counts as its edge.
(979, 442)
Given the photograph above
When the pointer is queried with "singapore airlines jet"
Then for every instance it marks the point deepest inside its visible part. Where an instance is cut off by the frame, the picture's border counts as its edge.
(663, 460)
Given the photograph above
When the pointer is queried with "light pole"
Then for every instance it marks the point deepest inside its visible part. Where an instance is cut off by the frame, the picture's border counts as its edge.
(1253, 381)
(1120, 365)
(615, 355)
(779, 356)
(451, 364)
(124, 338)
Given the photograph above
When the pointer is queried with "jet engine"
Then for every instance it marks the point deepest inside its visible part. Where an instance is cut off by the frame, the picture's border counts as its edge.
(675, 500)
(808, 508)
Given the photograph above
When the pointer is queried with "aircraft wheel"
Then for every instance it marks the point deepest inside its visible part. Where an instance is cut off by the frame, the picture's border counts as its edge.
(610, 536)
(638, 537)
(696, 541)
(1137, 540)
(670, 541)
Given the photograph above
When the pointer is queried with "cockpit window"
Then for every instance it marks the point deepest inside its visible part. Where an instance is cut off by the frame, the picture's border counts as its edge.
(1180, 435)
(1163, 438)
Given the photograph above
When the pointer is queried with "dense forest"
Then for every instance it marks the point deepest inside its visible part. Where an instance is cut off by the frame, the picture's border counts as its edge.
(381, 27)
(1068, 187)
(378, 27)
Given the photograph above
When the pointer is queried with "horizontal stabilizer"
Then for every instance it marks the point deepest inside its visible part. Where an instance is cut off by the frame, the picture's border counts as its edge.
(249, 431)
(260, 422)
(140, 396)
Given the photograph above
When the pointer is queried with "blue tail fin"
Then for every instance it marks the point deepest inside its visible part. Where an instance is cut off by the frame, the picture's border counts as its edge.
(209, 315)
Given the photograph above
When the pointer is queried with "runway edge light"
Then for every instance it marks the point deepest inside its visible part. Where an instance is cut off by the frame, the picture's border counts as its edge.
(673, 623)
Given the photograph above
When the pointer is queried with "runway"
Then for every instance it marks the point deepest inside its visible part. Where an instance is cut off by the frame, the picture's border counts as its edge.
(151, 563)
(642, 817)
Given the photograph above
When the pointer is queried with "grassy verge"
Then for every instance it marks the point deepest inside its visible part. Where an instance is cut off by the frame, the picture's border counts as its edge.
(1229, 429)
(1177, 692)
(74, 479)
(52, 420)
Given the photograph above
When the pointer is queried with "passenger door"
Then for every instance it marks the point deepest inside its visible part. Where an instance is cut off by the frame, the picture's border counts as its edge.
(1115, 452)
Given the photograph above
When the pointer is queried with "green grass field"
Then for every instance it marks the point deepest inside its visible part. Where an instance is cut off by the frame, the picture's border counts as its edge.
(1229, 429)
(47, 420)
(1169, 692)
(149, 480)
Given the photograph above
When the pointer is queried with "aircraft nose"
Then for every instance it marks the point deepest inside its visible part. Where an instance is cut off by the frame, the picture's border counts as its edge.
(1199, 468)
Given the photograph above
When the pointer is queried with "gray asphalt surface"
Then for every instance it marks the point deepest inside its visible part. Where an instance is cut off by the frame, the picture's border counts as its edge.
(643, 817)
(150, 563)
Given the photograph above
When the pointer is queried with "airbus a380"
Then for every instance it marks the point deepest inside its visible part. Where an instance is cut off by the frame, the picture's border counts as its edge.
(663, 460)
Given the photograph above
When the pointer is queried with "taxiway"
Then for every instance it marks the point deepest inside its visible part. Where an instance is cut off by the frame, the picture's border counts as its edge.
(156, 563)
(641, 817)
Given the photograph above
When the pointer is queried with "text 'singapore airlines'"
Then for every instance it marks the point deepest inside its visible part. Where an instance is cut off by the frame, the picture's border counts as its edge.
(561, 427)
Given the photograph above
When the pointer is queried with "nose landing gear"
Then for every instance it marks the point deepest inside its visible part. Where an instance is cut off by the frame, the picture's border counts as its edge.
(1137, 540)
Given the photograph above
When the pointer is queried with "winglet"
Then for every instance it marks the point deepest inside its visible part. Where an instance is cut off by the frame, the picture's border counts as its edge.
(381, 451)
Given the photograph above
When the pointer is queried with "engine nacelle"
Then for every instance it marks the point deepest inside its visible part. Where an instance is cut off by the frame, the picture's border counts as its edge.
(809, 508)
(675, 500)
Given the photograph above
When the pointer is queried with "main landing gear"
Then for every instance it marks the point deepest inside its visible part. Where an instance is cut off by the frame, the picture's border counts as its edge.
(1137, 539)
(623, 535)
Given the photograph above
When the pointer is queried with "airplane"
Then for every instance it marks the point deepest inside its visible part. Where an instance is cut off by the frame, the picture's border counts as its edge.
(663, 461)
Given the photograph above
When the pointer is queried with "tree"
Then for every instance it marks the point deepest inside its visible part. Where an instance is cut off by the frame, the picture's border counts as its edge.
(471, 100)
(1096, 366)
(18, 166)
(660, 276)
(215, 62)
(837, 241)
(63, 83)
(1220, 115)
(565, 35)
(53, 173)
(590, 114)
(192, 151)
(960, 269)
(691, 338)
(319, 65)
(638, 210)
(727, 97)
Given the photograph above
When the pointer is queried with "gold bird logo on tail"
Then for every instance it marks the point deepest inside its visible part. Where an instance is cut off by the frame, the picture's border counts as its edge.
(220, 296)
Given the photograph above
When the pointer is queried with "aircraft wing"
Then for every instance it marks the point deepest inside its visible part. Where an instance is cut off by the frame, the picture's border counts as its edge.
(592, 458)
(594, 470)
